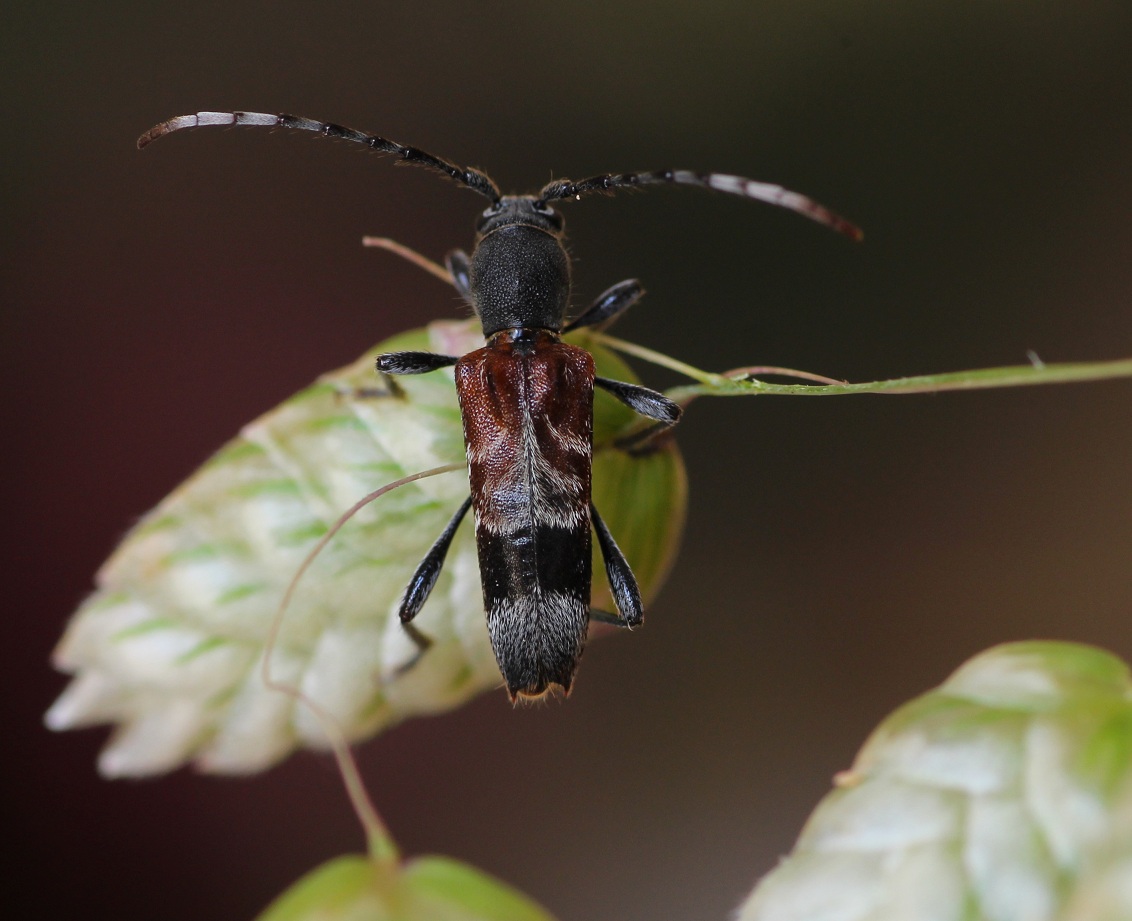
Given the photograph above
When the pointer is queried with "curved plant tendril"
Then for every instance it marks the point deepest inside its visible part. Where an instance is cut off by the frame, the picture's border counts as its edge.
(380, 842)
(411, 255)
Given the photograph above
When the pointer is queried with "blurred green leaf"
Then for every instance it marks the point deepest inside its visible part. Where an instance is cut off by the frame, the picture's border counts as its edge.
(356, 888)
(1005, 795)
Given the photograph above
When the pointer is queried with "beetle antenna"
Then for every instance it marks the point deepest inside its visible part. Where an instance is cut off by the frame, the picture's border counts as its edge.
(474, 179)
(721, 182)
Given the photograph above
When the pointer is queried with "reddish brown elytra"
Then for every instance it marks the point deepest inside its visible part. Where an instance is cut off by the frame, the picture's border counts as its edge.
(526, 399)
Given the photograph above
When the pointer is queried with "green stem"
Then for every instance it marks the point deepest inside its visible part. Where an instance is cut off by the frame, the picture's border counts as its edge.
(739, 383)
(980, 379)
(656, 358)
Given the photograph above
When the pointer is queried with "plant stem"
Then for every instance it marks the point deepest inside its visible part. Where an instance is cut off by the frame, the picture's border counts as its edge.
(979, 379)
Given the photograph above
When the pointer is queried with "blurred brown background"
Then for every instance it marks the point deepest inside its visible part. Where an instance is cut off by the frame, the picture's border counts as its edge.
(841, 555)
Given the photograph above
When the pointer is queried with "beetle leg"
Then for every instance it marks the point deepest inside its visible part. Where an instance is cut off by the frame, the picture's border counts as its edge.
(389, 389)
(422, 641)
(642, 400)
(397, 363)
(413, 362)
(598, 616)
(608, 306)
(457, 264)
(421, 584)
(648, 403)
(622, 582)
(402, 363)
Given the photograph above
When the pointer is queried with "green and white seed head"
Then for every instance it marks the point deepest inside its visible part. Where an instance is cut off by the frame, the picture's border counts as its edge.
(169, 647)
(1004, 794)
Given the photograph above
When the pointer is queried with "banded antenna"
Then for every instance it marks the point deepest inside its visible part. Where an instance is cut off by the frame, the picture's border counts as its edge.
(474, 179)
(607, 183)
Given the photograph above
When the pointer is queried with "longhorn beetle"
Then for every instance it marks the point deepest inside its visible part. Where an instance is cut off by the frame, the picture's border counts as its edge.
(526, 399)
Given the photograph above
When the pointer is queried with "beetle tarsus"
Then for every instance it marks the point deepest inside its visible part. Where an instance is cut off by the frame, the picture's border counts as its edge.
(422, 643)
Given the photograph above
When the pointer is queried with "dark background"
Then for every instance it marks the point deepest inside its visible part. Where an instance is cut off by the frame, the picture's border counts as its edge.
(841, 555)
